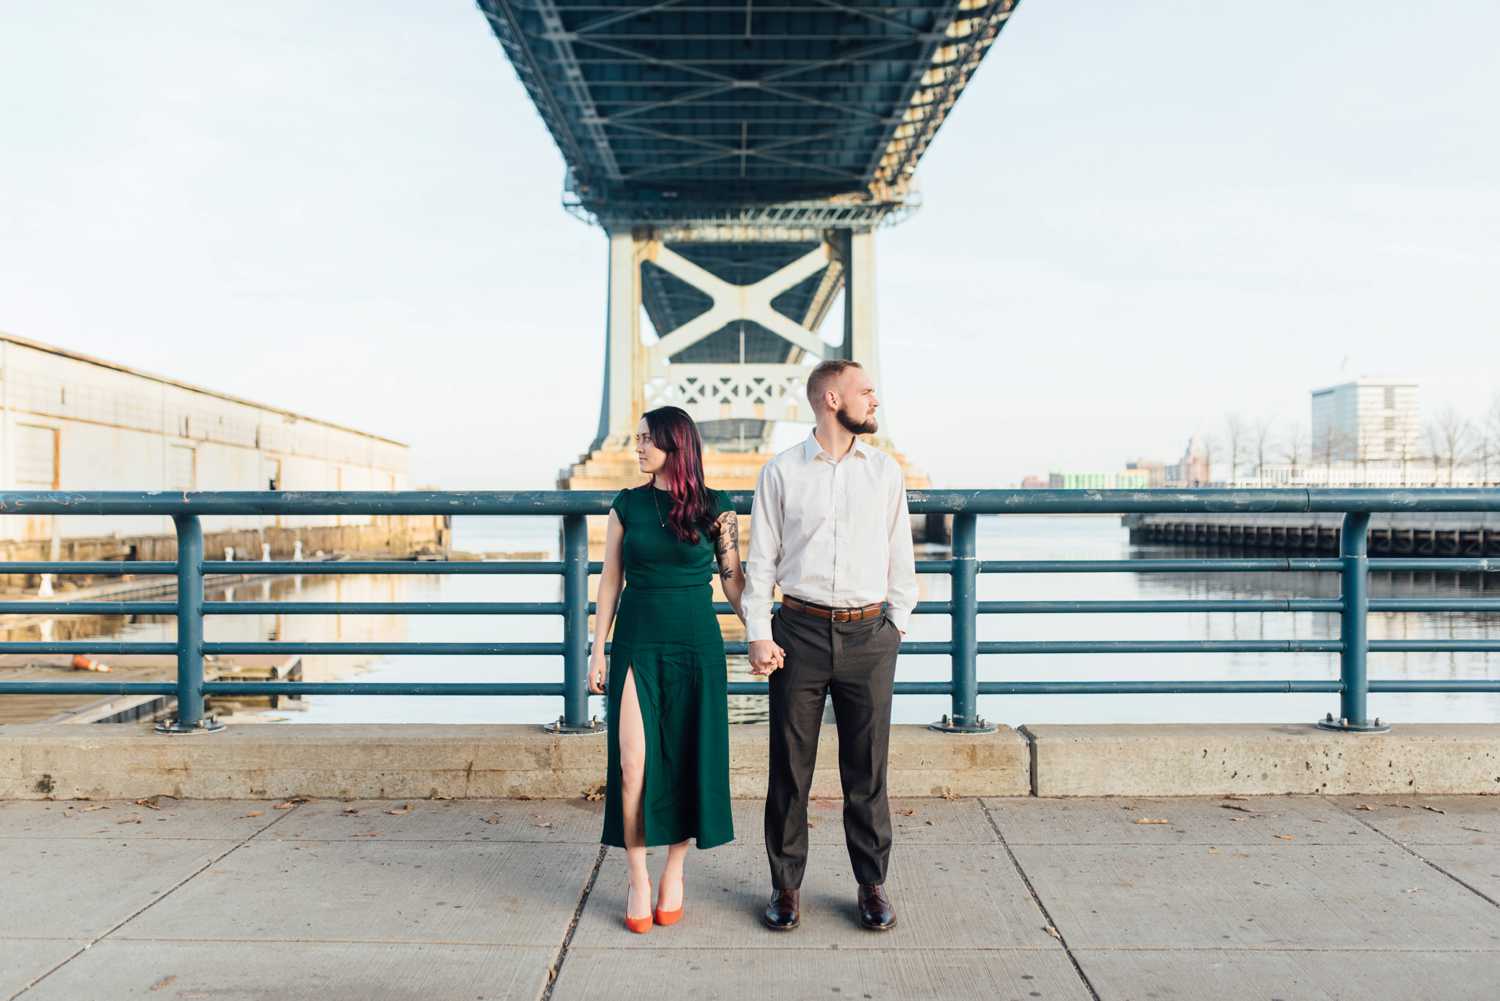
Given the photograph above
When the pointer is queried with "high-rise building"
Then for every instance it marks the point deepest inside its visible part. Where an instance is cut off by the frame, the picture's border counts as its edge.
(1367, 420)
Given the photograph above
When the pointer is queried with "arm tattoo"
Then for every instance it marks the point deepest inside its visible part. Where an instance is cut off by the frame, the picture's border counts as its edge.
(727, 543)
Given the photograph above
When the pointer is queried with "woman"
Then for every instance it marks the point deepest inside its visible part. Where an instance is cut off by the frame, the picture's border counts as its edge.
(668, 777)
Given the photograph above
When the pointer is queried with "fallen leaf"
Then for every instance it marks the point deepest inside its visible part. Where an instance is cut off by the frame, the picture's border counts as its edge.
(129, 820)
(594, 793)
(1285, 837)
(949, 793)
(253, 813)
(96, 806)
(164, 982)
(1236, 806)
(150, 803)
(1151, 820)
(368, 834)
(1234, 795)
(493, 818)
(1053, 932)
(1433, 809)
(907, 812)
(1365, 807)
(404, 808)
(349, 811)
(1476, 830)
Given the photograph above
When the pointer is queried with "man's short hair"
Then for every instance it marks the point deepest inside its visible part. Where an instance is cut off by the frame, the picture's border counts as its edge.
(826, 372)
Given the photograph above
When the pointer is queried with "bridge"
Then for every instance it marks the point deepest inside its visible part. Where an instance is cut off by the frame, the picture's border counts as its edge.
(740, 158)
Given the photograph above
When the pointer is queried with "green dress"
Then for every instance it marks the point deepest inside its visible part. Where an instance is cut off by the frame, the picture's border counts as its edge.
(667, 631)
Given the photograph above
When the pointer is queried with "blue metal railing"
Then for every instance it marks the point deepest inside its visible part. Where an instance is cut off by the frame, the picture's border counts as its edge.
(964, 568)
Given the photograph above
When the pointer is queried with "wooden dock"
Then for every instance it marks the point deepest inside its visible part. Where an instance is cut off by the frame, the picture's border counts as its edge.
(1390, 534)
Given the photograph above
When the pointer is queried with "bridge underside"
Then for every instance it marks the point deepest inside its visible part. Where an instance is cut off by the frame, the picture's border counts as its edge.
(740, 157)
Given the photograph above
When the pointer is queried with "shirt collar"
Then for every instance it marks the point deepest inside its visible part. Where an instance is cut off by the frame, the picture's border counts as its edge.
(811, 450)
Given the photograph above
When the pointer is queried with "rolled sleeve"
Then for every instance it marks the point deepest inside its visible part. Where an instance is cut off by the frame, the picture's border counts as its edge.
(901, 571)
(765, 555)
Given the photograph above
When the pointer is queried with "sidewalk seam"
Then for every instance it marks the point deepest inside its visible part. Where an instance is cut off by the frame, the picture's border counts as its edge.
(1036, 899)
(554, 969)
(152, 903)
(1422, 858)
(1031, 765)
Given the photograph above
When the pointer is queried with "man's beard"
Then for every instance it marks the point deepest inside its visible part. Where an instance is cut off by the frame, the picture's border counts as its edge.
(870, 425)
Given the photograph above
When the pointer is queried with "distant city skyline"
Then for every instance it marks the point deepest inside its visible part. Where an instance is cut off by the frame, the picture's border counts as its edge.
(1364, 431)
(1133, 224)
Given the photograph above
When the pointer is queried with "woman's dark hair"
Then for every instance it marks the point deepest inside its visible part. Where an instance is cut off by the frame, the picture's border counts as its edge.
(674, 432)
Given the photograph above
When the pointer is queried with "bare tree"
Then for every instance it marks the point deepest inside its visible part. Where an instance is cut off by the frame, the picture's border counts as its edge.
(1208, 447)
(1294, 447)
(1330, 449)
(1489, 440)
(1450, 438)
(1236, 437)
(1263, 440)
(1408, 450)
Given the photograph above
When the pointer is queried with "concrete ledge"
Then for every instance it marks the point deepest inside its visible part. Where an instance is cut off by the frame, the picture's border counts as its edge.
(39, 761)
(1263, 759)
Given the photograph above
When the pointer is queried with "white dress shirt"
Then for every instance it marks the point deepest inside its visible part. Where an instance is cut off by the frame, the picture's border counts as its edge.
(836, 532)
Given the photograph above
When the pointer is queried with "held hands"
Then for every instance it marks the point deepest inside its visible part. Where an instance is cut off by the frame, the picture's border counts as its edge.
(766, 657)
(596, 671)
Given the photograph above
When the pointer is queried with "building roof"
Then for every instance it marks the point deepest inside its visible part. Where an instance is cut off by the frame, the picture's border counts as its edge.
(1364, 381)
(127, 370)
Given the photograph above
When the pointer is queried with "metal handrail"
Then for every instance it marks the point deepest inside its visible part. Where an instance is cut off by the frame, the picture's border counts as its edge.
(963, 568)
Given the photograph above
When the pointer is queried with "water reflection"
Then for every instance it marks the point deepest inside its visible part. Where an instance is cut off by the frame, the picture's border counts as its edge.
(1012, 537)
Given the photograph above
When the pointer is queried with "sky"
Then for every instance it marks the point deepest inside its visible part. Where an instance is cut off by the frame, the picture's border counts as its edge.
(1138, 219)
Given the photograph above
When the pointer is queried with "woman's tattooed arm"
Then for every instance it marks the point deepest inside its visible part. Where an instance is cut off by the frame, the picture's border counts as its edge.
(727, 545)
(726, 533)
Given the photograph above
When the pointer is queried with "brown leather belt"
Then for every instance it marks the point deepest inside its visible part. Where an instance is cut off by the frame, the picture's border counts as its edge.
(835, 614)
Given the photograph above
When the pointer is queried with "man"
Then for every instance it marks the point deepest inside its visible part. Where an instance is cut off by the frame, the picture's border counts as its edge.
(831, 526)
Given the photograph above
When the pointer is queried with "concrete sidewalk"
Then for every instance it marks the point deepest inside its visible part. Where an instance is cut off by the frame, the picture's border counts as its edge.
(1209, 898)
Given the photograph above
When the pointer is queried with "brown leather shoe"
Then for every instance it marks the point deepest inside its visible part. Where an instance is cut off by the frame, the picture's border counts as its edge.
(782, 912)
(875, 910)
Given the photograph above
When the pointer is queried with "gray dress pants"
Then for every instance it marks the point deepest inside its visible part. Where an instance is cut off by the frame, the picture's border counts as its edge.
(856, 663)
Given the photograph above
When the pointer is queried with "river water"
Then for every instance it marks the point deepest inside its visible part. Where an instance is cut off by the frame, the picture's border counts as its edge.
(1001, 537)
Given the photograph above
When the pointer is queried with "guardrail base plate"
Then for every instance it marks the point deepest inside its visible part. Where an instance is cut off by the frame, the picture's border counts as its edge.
(950, 725)
(1344, 726)
(560, 726)
(208, 724)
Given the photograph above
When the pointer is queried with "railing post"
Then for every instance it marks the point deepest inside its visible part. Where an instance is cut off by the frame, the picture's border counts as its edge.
(190, 717)
(575, 560)
(965, 595)
(1354, 578)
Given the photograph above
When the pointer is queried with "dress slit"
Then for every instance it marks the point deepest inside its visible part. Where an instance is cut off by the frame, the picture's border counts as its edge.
(633, 678)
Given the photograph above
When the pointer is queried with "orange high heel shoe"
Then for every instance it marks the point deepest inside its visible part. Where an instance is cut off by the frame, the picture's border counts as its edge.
(638, 925)
(667, 917)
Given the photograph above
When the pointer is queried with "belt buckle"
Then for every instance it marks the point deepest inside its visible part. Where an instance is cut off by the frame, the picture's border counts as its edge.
(842, 614)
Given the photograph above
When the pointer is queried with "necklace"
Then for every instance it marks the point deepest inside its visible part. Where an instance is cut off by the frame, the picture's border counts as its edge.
(656, 502)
